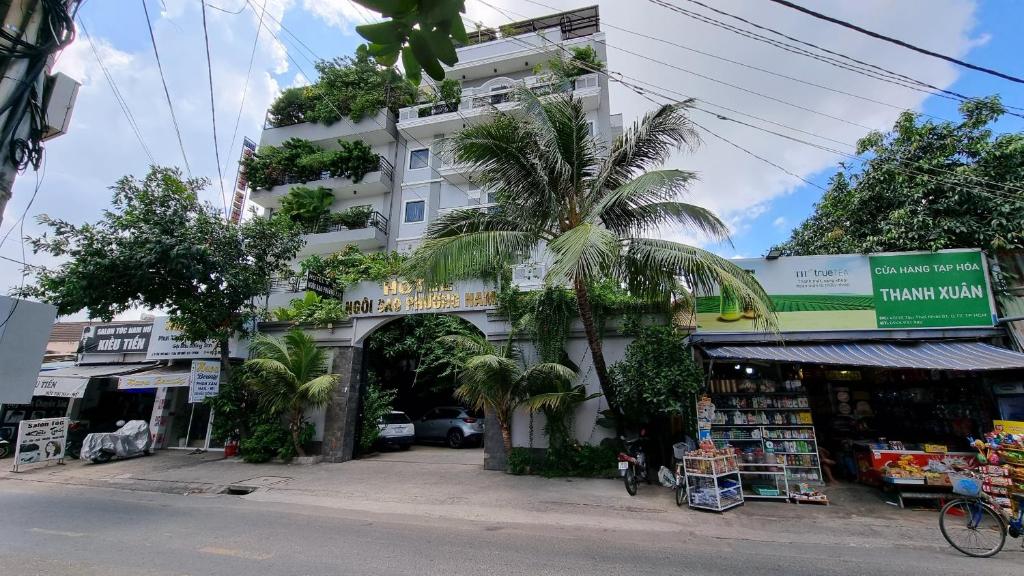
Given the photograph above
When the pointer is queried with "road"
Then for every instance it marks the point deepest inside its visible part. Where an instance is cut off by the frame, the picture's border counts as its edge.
(83, 531)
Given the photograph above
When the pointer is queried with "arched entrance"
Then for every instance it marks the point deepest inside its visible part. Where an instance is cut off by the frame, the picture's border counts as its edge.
(411, 361)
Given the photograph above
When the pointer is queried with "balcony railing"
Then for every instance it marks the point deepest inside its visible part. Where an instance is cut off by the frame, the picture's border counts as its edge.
(325, 226)
(387, 172)
(476, 98)
(308, 283)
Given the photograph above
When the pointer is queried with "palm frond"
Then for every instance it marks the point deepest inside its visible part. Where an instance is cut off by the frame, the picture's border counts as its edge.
(474, 344)
(646, 144)
(546, 121)
(450, 258)
(317, 392)
(588, 251)
(651, 266)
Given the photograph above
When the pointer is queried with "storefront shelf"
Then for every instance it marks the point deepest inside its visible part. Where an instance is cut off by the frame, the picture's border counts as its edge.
(807, 467)
(773, 426)
(798, 408)
(806, 453)
(749, 394)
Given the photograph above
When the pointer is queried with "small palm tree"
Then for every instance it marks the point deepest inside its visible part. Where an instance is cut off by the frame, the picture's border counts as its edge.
(291, 376)
(558, 399)
(494, 379)
(587, 206)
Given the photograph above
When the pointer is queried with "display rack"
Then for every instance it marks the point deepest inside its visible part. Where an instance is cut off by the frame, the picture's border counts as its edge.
(713, 482)
(764, 481)
(770, 416)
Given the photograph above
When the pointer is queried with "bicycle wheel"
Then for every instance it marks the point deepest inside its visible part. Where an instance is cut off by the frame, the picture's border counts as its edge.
(681, 494)
(630, 480)
(972, 527)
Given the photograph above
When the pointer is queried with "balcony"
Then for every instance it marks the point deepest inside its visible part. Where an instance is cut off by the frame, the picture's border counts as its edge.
(373, 184)
(374, 130)
(425, 120)
(331, 238)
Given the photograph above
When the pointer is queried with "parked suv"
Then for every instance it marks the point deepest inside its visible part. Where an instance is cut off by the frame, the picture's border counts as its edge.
(396, 430)
(452, 425)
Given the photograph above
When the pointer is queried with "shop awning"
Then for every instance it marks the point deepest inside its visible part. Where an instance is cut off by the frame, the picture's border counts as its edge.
(966, 356)
(70, 382)
(161, 377)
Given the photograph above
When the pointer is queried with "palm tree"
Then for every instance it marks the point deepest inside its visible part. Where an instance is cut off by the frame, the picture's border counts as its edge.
(494, 379)
(588, 206)
(558, 399)
(291, 376)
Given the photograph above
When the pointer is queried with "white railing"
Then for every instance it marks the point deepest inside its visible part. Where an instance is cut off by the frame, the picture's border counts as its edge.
(477, 98)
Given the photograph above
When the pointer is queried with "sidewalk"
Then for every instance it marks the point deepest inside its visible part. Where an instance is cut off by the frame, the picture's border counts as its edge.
(439, 483)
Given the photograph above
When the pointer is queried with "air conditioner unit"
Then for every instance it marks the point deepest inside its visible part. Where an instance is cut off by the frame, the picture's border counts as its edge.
(59, 96)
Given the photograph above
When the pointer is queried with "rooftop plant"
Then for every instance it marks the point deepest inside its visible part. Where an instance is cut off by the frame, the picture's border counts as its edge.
(300, 160)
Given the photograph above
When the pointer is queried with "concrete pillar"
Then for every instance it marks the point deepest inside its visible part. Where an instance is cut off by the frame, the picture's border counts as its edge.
(342, 413)
(495, 457)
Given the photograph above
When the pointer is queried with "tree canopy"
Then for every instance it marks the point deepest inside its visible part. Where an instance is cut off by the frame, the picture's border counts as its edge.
(159, 247)
(926, 186)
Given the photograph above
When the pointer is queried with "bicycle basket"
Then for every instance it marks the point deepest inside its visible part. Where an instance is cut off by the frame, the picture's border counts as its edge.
(965, 485)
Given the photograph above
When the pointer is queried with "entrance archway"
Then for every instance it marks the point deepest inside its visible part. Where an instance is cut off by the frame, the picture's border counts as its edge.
(409, 357)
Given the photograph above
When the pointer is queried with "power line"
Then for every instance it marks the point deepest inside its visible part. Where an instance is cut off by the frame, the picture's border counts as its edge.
(167, 93)
(213, 113)
(897, 41)
(26, 264)
(248, 74)
(121, 101)
(746, 65)
(643, 92)
(860, 67)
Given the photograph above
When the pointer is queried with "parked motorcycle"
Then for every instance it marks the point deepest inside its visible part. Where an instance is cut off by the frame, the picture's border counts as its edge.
(128, 441)
(633, 463)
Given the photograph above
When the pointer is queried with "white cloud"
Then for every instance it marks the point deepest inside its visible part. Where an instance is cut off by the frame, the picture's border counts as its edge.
(344, 15)
(780, 222)
(100, 146)
(732, 182)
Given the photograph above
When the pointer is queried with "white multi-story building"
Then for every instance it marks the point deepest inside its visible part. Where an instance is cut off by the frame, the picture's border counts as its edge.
(415, 183)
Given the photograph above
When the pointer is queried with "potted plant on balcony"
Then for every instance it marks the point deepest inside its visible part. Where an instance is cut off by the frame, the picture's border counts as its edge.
(307, 207)
(355, 218)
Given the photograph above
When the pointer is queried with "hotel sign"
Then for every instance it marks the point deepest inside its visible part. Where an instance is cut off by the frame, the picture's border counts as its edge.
(396, 296)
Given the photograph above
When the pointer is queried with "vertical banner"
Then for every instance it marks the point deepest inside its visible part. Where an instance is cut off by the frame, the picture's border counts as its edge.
(705, 416)
(205, 380)
(241, 183)
(158, 420)
(40, 441)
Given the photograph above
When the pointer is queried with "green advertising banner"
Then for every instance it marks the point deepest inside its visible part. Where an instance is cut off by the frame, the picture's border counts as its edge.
(934, 290)
(945, 289)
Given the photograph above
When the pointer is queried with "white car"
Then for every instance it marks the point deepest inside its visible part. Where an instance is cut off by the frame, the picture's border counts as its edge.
(396, 430)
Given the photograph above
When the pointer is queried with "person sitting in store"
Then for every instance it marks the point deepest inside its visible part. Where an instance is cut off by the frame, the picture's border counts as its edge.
(825, 458)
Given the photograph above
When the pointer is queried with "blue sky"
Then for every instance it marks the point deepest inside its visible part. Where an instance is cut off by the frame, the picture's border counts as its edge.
(759, 202)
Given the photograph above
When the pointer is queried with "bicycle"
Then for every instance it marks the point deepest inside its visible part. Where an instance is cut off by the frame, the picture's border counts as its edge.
(974, 526)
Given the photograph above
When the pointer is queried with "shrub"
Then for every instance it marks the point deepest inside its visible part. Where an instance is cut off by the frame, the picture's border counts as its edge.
(376, 403)
(576, 460)
(354, 218)
(307, 207)
(266, 441)
(351, 265)
(312, 309)
(289, 108)
(300, 160)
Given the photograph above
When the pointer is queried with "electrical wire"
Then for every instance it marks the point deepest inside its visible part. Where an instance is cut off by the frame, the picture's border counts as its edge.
(167, 93)
(844, 61)
(21, 225)
(121, 101)
(248, 74)
(898, 42)
(213, 112)
(746, 65)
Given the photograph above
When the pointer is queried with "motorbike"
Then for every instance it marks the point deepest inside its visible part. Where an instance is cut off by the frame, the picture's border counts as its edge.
(633, 463)
(128, 441)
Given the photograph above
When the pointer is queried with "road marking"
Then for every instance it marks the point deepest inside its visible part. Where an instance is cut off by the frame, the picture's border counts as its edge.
(235, 553)
(56, 532)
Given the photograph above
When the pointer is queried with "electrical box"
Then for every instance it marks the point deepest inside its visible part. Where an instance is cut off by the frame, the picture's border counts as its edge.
(59, 96)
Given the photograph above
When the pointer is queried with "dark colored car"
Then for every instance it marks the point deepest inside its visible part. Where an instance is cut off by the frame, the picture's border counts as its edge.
(453, 425)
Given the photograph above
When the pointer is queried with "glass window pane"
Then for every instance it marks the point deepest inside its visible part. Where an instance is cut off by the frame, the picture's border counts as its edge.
(419, 158)
(414, 211)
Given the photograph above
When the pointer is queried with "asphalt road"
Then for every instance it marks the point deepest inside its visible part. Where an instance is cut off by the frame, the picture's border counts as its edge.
(82, 531)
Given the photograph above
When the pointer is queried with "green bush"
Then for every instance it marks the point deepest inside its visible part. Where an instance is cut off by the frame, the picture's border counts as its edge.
(376, 403)
(352, 265)
(354, 218)
(575, 460)
(312, 309)
(520, 461)
(266, 441)
(289, 108)
(299, 160)
(307, 207)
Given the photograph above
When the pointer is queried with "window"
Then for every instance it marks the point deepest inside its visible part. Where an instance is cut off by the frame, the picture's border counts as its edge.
(419, 158)
(414, 211)
(448, 413)
(592, 128)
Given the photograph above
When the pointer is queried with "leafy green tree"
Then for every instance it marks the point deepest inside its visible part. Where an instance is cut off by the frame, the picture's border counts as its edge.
(422, 31)
(926, 186)
(290, 374)
(494, 379)
(307, 207)
(159, 247)
(376, 404)
(352, 265)
(355, 87)
(421, 338)
(271, 165)
(588, 208)
(289, 108)
(583, 61)
(657, 375)
(311, 309)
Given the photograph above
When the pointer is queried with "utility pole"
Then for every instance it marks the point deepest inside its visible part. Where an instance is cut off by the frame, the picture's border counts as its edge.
(34, 106)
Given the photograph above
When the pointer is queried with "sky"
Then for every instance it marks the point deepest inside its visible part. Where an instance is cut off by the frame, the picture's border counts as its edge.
(760, 201)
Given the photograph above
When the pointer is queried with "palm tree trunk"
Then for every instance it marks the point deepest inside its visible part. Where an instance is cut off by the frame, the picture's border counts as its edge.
(295, 426)
(506, 436)
(594, 341)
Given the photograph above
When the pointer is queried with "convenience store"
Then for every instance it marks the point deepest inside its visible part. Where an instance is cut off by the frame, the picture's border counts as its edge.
(877, 371)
